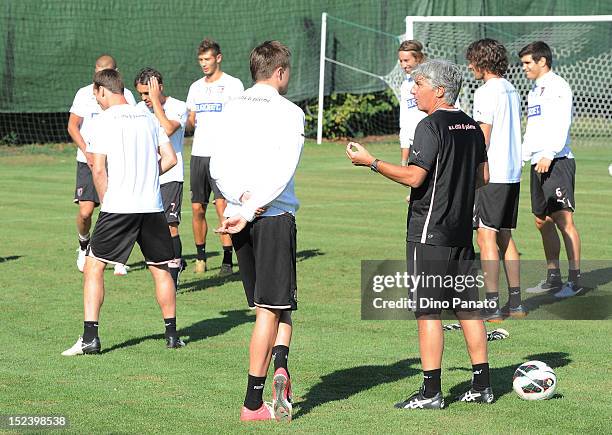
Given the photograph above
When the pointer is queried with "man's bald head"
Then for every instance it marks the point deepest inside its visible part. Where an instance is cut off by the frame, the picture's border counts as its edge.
(106, 61)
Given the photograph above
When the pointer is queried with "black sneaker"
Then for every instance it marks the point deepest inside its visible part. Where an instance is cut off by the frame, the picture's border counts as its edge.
(419, 401)
(81, 347)
(226, 269)
(517, 312)
(484, 396)
(174, 342)
(492, 316)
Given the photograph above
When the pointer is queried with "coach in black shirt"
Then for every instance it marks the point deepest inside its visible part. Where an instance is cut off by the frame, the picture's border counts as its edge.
(447, 164)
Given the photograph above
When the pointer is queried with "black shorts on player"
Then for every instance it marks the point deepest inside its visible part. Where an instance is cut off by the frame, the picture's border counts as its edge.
(172, 199)
(114, 236)
(436, 266)
(496, 206)
(201, 182)
(266, 252)
(85, 189)
(554, 190)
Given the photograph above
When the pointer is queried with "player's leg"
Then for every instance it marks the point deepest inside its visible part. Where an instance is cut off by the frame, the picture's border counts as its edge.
(564, 220)
(226, 241)
(172, 194)
(511, 258)
(156, 246)
(282, 396)
(199, 201)
(489, 259)
(475, 335)
(86, 197)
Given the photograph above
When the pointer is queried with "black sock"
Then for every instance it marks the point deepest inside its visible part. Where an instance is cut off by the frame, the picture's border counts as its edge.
(574, 276)
(90, 331)
(227, 254)
(514, 299)
(254, 393)
(553, 276)
(178, 246)
(480, 379)
(280, 354)
(493, 299)
(170, 326)
(432, 381)
(83, 242)
(201, 251)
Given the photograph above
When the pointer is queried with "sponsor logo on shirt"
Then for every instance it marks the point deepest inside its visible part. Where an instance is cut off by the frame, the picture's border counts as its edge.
(411, 102)
(534, 111)
(209, 107)
(462, 127)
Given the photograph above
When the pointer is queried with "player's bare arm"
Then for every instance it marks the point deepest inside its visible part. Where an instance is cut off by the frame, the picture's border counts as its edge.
(190, 125)
(486, 131)
(543, 165)
(74, 130)
(100, 177)
(168, 157)
(411, 175)
(169, 126)
(482, 175)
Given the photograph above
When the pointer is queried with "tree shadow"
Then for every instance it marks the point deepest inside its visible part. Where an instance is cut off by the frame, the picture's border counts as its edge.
(10, 258)
(201, 330)
(205, 283)
(307, 254)
(342, 384)
(140, 265)
(501, 377)
(584, 306)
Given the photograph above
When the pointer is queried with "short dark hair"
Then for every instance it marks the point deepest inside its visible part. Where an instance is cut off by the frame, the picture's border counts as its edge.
(209, 45)
(415, 47)
(110, 79)
(145, 74)
(268, 56)
(538, 50)
(488, 55)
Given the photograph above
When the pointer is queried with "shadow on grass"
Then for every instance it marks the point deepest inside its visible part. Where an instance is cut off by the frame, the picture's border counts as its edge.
(10, 258)
(342, 384)
(501, 377)
(140, 265)
(584, 306)
(198, 331)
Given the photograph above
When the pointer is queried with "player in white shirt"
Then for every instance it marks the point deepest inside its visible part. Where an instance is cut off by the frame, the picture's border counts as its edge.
(410, 55)
(255, 170)
(126, 172)
(83, 112)
(497, 109)
(171, 115)
(553, 168)
(206, 102)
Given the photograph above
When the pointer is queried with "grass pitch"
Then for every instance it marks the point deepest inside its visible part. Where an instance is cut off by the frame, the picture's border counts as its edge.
(347, 373)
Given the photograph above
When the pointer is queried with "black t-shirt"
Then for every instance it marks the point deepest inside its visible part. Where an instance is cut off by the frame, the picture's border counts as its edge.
(450, 146)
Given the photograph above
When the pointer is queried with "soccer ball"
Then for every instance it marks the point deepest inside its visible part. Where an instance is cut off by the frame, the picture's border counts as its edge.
(534, 380)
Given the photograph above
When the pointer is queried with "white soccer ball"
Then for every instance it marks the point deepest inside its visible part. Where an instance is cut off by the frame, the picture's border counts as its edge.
(534, 380)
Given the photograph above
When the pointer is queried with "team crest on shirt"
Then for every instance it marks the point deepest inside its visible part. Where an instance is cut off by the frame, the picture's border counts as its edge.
(209, 107)
(534, 111)
(411, 102)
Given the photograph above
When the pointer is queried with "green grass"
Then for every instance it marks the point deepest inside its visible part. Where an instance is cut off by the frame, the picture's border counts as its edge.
(347, 373)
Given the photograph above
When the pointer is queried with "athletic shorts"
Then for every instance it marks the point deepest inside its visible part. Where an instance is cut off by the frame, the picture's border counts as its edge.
(172, 198)
(447, 280)
(266, 253)
(496, 206)
(114, 236)
(85, 189)
(554, 190)
(202, 184)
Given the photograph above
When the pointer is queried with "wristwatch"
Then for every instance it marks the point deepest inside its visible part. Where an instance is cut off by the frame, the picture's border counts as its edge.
(374, 165)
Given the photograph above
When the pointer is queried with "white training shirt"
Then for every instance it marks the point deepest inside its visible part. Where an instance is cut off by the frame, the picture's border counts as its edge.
(410, 115)
(176, 110)
(208, 100)
(549, 118)
(497, 103)
(130, 139)
(262, 140)
(86, 106)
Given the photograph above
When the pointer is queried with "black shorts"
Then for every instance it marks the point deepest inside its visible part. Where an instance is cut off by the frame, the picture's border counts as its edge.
(266, 253)
(554, 190)
(201, 182)
(114, 236)
(496, 206)
(448, 279)
(85, 189)
(172, 198)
